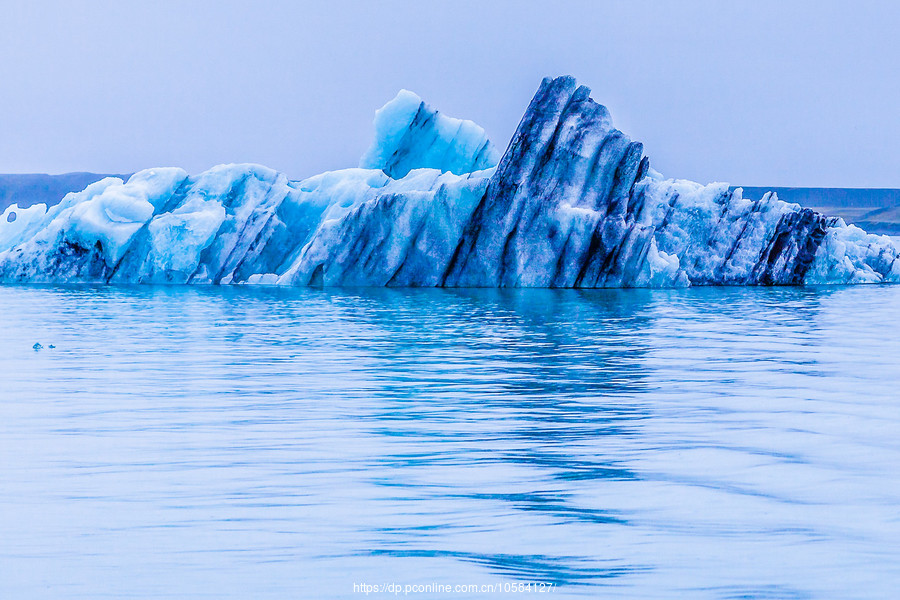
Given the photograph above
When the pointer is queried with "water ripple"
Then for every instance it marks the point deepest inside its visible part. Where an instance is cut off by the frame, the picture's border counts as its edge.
(269, 443)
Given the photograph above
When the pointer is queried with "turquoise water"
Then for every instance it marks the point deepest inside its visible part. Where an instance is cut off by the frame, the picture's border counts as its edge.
(238, 443)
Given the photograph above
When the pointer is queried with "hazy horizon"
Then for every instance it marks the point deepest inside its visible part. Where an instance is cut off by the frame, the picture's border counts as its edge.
(795, 94)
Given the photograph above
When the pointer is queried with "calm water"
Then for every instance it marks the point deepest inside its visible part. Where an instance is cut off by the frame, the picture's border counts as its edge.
(238, 443)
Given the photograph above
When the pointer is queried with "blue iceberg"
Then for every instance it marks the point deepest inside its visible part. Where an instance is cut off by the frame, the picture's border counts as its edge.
(572, 202)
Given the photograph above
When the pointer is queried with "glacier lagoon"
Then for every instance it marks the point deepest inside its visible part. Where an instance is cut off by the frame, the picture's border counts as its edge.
(312, 429)
(237, 442)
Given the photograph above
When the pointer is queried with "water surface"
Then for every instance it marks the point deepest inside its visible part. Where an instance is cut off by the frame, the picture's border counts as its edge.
(187, 442)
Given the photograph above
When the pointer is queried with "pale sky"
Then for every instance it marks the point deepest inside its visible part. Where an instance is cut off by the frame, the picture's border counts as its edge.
(803, 93)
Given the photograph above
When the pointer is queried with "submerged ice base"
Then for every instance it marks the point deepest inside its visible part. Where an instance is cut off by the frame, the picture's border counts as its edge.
(571, 203)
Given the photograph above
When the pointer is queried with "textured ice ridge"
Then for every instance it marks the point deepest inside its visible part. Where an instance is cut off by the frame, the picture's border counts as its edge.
(571, 203)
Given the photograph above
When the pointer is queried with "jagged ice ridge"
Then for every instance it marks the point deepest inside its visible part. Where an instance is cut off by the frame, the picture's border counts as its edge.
(571, 203)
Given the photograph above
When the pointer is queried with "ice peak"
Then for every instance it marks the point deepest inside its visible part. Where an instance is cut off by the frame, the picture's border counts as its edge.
(410, 134)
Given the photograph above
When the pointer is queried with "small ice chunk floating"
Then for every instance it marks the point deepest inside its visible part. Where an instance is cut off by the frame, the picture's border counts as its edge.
(572, 203)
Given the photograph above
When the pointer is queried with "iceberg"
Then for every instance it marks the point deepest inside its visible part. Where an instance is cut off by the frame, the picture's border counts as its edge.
(573, 202)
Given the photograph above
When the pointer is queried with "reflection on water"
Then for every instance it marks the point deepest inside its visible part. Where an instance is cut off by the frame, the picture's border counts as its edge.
(237, 443)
